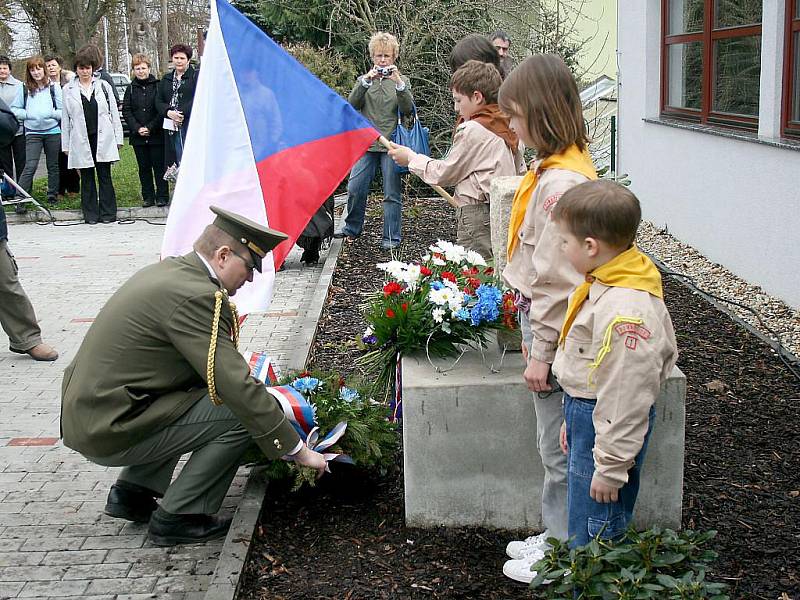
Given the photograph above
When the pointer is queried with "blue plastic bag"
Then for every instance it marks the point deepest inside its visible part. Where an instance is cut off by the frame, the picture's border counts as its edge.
(415, 138)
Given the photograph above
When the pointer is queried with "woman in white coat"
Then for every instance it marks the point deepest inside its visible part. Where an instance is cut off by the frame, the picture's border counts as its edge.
(91, 135)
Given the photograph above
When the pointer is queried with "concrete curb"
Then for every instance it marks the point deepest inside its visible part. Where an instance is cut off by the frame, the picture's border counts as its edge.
(224, 583)
(130, 212)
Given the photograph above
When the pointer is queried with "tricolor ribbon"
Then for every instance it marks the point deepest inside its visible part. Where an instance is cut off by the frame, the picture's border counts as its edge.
(301, 415)
(261, 367)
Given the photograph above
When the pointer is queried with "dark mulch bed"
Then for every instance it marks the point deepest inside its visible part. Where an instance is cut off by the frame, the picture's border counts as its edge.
(347, 539)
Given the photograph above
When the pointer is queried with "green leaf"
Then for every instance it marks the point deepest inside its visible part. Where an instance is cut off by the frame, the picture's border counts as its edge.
(667, 581)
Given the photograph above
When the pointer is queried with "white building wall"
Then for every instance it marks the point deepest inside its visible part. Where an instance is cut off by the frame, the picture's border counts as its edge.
(737, 202)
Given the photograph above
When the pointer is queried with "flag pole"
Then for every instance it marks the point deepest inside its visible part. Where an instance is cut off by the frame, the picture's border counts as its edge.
(388, 145)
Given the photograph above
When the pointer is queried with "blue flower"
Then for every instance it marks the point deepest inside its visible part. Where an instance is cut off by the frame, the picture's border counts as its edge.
(437, 285)
(462, 314)
(370, 339)
(488, 306)
(348, 395)
(306, 384)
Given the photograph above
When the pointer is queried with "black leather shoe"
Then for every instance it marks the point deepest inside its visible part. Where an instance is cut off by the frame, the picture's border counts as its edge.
(167, 529)
(148, 203)
(130, 501)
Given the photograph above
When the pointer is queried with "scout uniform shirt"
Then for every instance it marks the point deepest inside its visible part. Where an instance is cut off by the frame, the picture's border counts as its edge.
(636, 330)
(537, 268)
(476, 157)
(143, 364)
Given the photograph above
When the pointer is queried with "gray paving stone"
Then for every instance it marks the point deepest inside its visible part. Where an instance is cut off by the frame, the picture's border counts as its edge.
(93, 529)
(95, 571)
(10, 559)
(113, 541)
(74, 557)
(185, 583)
(38, 573)
(26, 531)
(10, 589)
(59, 589)
(52, 543)
(9, 544)
(130, 585)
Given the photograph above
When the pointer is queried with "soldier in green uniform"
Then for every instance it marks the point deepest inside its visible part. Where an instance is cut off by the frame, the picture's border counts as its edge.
(159, 375)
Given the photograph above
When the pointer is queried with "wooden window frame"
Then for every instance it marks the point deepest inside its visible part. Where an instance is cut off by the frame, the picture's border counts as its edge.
(789, 127)
(705, 115)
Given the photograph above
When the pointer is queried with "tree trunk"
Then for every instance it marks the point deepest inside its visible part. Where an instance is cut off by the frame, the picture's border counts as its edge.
(141, 35)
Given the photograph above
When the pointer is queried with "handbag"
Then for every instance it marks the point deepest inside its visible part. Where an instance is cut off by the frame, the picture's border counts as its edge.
(415, 138)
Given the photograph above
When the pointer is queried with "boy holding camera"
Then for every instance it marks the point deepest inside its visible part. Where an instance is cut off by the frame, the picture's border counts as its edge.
(617, 347)
(484, 147)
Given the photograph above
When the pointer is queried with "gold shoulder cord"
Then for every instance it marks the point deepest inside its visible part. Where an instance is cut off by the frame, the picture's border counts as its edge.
(212, 349)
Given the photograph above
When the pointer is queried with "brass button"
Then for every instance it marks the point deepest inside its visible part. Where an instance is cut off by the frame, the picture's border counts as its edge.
(277, 443)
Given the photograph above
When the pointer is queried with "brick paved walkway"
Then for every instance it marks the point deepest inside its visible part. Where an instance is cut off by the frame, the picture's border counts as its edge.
(54, 539)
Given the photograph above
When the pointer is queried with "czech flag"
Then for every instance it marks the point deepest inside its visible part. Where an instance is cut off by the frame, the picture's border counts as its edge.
(266, 140)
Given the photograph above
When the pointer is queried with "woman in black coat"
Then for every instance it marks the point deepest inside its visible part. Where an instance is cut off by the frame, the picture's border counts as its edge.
(146, 137)
(175, 98)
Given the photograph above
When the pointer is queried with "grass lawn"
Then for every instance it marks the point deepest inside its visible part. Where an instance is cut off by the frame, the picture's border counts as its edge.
(124, 174)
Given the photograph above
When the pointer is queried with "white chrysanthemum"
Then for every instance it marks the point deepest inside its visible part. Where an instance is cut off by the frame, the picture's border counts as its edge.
(410, 276)
(451, 284)
(474, 258)
(452, 252)
(455, 301)
(368, 332)
(426, 257)
(438, 262)
(394, 268)
(438, 314)
(441, 296)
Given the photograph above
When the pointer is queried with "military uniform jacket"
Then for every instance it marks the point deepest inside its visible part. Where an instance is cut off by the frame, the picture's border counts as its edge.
(641, 353)
(143, 363)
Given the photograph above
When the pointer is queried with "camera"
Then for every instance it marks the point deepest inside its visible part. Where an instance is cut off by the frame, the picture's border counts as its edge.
(385, 71)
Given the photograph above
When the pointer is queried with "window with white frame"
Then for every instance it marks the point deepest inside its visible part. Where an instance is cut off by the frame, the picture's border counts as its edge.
(711, 60)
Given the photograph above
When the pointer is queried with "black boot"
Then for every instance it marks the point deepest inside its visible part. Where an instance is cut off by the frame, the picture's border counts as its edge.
(168, 529)
(130, 501)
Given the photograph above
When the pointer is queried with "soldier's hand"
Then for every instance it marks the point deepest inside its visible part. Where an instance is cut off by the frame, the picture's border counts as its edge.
(309, 458)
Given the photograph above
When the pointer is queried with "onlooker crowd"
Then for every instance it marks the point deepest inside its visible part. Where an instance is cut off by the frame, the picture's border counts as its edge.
(174, 103)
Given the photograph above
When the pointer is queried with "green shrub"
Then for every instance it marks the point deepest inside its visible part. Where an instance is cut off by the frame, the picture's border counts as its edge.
(334, 69)
(657, 563)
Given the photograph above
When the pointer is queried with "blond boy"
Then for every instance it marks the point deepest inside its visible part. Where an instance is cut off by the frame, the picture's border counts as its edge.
(617, 347)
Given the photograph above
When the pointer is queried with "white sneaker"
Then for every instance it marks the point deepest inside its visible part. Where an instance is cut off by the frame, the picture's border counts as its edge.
(520, 569)
(534, 543)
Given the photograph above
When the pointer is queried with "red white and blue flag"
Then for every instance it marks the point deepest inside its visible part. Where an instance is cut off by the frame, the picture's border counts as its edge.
(266, 140)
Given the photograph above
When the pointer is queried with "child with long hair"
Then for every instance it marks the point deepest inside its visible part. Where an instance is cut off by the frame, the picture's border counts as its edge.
(542, 99)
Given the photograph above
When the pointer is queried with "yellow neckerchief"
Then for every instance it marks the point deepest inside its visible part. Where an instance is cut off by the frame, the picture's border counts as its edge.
(631, 269)
(572, 159)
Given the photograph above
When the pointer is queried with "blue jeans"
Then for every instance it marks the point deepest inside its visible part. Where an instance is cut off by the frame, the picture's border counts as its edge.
(358, 189)
(587, 518)
(178, 139)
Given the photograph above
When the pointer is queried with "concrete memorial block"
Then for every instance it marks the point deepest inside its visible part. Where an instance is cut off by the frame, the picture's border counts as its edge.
(470, 453)
(501, 197)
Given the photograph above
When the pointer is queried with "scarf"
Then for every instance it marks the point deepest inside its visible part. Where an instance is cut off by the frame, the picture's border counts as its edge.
(571, 159)
(631, 269)
(496, 121)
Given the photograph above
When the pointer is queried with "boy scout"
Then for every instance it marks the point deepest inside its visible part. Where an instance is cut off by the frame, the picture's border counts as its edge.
(159, 375)
(617, 347)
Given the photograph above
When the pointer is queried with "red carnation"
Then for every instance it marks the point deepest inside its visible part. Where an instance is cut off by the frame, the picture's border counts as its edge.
(449, 276)
(468, 290)
(476, 283)
(392, 288)
(425, 271)
(390, 313)
(488, 271)
(404, 306)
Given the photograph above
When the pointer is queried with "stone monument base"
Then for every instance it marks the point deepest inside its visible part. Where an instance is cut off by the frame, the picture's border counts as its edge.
(470, 452)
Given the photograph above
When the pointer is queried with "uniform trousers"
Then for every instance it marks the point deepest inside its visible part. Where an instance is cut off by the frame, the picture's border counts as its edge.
(216, 439)
(549, 416)
(473, 229)
(16, 311)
